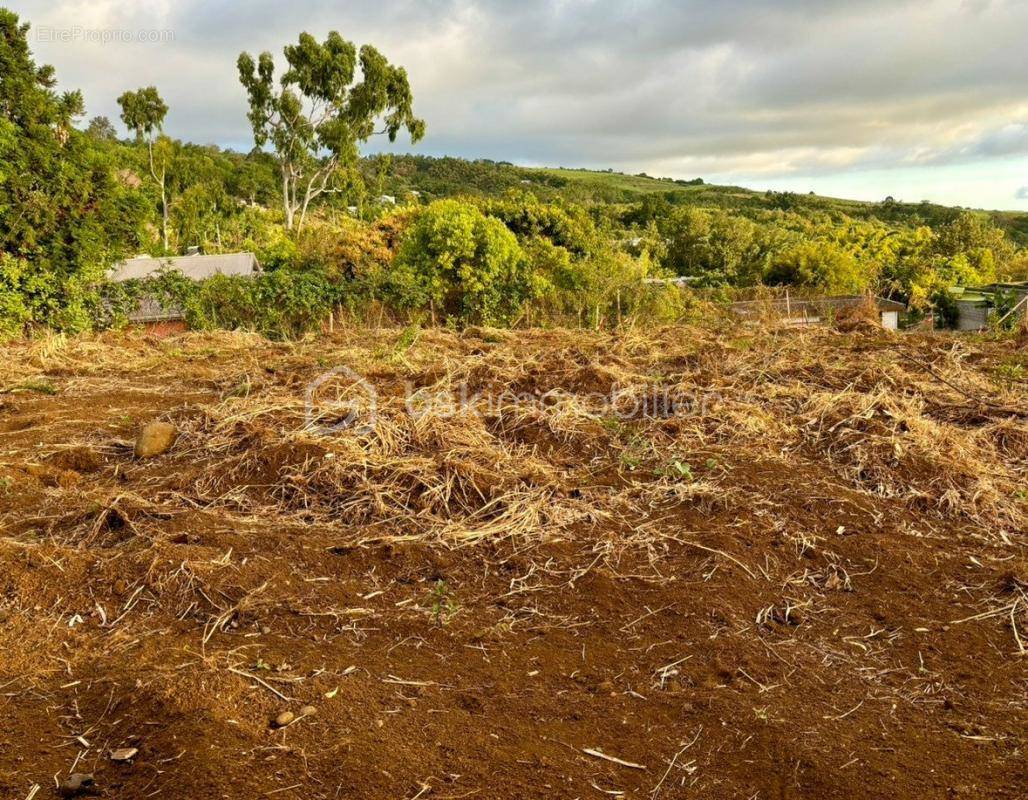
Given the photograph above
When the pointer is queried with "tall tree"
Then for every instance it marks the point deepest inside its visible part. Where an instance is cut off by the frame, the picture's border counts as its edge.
(101, 129)
(63, 217)
(317, 116)
(143, 111)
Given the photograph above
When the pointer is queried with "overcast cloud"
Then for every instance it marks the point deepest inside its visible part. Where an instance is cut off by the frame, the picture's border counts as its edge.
(859, 98)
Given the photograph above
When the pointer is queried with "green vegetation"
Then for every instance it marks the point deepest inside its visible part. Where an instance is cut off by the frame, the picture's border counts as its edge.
(458, 260)
(318, 116)
(414, 237)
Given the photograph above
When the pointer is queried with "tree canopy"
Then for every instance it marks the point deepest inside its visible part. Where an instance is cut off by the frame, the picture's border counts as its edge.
(319, 113)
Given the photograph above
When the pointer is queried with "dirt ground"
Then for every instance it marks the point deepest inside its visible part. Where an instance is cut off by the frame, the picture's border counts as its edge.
(687, 563)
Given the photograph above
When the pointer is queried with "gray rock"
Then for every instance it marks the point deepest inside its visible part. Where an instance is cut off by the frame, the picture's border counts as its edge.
(75, 784)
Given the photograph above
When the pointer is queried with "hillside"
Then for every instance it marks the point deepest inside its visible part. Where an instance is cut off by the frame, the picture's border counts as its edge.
(446, 177)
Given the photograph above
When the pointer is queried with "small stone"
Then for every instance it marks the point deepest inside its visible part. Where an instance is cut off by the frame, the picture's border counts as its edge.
(124, 753)
(154, 439)
(75, 784)
(265, 630)
(307, 711)
(283, 719)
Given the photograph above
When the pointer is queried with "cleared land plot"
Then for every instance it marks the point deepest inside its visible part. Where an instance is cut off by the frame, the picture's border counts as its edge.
(782, 565)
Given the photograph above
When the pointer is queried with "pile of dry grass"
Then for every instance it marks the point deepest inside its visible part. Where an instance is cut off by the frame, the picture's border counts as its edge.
(549, 411)
(563, 428)
(864, 316)
(887, 443)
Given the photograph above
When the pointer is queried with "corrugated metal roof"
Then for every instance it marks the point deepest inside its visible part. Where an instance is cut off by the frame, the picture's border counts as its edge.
(197, 268)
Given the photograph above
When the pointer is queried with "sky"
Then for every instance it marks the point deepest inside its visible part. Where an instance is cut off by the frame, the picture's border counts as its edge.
(919, 99)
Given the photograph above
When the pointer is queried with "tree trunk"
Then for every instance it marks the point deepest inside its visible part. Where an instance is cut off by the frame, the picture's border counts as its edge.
(164, 215)
(164, 196)
(287, 205)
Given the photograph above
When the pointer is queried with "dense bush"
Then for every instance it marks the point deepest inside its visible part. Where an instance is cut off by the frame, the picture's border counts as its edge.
(280, 304)
(461, 265)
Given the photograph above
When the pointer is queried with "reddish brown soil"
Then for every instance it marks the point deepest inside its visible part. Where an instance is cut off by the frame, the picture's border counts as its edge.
(792, 631)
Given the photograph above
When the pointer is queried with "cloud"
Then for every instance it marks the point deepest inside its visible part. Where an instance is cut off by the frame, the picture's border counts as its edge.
(1021, 194)
(750, 87)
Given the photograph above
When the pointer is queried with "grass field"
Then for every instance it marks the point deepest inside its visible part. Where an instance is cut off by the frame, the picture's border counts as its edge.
(685, 563)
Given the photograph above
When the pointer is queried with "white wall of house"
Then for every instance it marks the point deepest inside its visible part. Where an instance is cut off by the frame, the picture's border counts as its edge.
(891, 320)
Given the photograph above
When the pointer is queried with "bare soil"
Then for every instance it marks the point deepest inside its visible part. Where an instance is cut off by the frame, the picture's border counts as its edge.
(792, 566)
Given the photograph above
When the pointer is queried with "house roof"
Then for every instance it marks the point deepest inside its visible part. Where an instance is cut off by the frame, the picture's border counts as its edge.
(972, 297)
(196, 267)
(1020, 287)
(810, 306)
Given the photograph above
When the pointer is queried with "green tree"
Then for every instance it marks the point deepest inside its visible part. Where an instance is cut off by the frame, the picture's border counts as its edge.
(457, 261)
(101, 129)
(822, 265)
(317, 116)
(143, 111)
(63, 218)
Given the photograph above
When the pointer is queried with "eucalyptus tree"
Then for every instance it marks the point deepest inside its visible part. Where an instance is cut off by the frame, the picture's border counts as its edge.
(320, 112)
(143, 111)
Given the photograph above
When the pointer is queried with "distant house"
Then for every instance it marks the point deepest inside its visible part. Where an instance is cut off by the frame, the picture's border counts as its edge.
(194, 266)
(976, 305)
(386, 200)
(817, 310)
(680, 280)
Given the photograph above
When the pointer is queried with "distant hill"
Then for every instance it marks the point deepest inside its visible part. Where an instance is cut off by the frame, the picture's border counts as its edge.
(446, 177)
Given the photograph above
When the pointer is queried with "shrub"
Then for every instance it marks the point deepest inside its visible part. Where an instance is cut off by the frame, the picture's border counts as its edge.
(282, 304)
(462, 265)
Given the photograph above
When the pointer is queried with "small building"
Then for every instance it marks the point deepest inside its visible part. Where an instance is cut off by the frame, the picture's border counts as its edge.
(977, 305)
(974, 310)
(194, 266)
(817, 310)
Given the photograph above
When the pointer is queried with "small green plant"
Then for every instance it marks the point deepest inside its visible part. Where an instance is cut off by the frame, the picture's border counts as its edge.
(37, 385)
(443, 604)
(5, 485)
(1011, 373)
(241, 389)
(677, 469)
(408, 338)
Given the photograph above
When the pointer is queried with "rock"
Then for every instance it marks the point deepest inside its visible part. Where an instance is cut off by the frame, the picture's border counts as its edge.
(154, 439)
(307, 711)
(124, 753)
(283, 719)
(75, 784)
